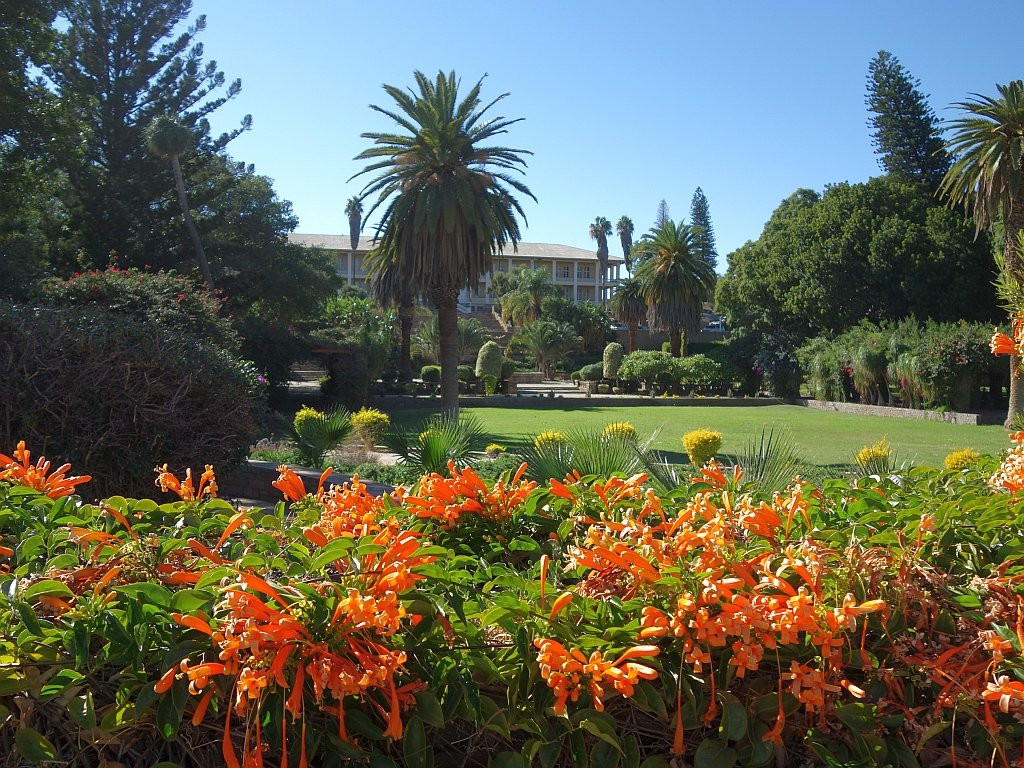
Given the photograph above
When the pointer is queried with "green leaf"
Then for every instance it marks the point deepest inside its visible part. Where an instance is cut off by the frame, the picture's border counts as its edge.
(12, 682)
(335, 549)
(190, 600)
(46, 587)
(415, 749)
(655, 762)
(429, 709)
(170, 711)
(734, 718)
(83, 711)
(604, 755)
(508, 759)
(59, 683)
(33, 746)
(713, 753)
(153, 594)
(931, 732)
(858, 717)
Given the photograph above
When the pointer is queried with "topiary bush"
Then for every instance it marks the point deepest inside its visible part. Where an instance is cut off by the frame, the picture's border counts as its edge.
(117, 395)
(699, 370)
(315, 433)
(648, 366)
(620, 430)
(489, 360)
(370, 425)
(592, 372)
(612, 359)
(701, 445)
(550, 440)
(490, 384)
(466, 373)
(430, 374)
(965, 458)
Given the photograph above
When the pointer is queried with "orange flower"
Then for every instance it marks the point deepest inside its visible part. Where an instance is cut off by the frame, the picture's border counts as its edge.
(1004, 690)
(167, 482)
(447, 499)
(290, 484)
(20, 470)
(568, 671)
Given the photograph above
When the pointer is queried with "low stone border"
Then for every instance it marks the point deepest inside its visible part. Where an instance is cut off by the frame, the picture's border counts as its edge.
(950, 417)
(253, 480)
(580, 400)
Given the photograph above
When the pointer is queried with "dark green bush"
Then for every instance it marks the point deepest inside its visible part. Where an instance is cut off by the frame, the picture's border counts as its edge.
(466, 373)
(592, 372)
(117, 396)
(431, 374)
(489, 360)
(700, 370)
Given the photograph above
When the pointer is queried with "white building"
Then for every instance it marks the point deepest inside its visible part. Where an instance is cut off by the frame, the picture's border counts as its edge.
(574, 270)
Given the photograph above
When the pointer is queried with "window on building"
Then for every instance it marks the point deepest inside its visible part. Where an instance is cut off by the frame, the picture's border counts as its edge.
(583, 270)
(565, 271)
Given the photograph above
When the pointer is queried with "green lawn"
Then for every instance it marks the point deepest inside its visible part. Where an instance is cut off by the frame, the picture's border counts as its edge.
(822, 438)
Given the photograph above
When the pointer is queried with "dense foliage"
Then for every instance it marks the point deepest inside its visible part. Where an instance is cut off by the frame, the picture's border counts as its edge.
(881, 250)
(118, 395)
(930, 365)
(588, 621)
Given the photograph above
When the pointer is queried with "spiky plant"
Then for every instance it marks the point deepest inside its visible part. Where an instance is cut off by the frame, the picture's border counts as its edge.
(769, 461)
(582, 451)
(315, 433)
(436, 441)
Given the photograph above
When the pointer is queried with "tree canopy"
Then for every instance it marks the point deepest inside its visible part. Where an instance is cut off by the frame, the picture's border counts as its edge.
(881, 250)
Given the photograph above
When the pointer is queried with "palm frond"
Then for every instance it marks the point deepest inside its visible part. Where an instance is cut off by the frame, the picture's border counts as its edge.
(436, 441)
(317, 435)
(770, 460)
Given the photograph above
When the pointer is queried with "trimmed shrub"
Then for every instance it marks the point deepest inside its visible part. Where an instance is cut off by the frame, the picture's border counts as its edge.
(699, 370)
(612, 359)
(466, 373)
(431, 374)
(965, 458)
(489, 360)
(701, 445)
(490, 384)
(117, 395)
(592, 372)
(875, 459)
(550, 440)
(370, 425)
(494, 449)
(576, 376)
(648, 366)
(603, 389)
(620, 430)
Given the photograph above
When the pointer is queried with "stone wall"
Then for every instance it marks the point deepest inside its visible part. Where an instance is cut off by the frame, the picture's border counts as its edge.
(253, 480)
(951, 417)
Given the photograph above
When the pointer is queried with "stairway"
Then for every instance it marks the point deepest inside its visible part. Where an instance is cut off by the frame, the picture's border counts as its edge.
(490, 322)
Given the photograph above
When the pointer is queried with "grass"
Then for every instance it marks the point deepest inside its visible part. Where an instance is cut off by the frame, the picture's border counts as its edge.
(822, 438)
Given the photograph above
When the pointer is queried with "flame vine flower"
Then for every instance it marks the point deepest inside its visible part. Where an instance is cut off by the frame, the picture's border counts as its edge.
(19, 469)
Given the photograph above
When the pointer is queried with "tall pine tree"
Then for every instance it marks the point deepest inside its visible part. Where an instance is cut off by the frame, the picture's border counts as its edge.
(122, 67)
(700, 217)
(663, 216)
(905, 131)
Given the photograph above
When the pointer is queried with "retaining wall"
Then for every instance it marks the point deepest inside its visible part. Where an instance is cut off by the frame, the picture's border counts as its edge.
(951, 417)
(253, 480)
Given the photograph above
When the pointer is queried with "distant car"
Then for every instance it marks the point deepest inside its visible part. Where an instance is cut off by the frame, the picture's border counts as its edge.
(717, 325)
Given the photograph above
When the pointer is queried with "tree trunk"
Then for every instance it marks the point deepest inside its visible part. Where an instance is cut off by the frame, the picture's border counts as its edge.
(674, 342)
(193, 233)
(632, 337)
(448, 327)
(405, 316)
(1013, 224)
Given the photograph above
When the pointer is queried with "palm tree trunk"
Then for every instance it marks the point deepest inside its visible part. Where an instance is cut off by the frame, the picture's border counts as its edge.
(1012, 226)
(632, 337)
(448, 329)
(193, 233)
(675, 342)
(405, 316)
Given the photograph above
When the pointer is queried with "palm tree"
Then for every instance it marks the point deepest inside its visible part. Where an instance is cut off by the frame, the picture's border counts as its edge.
(472, 334)
(448, 197)
(528, 288)
(624, 228)
(389, 286)
(987, 178)
(599, 231)
(548, 341)
(354, 211)
(675, 280)
(629, 307)
(168, 138)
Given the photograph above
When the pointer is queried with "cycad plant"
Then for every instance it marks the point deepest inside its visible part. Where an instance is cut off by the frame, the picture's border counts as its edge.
(439, 439)
(769, 461)
(315, 433)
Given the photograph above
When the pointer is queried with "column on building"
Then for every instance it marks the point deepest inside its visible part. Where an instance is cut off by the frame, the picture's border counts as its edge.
(575, 281)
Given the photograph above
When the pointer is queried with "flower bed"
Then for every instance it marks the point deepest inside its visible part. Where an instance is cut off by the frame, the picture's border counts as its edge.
(585, 621)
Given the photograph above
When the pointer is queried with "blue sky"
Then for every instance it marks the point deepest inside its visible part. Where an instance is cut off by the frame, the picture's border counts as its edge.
(624, 104)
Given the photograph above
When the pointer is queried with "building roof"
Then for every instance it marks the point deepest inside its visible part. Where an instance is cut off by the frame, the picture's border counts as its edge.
(547, 251)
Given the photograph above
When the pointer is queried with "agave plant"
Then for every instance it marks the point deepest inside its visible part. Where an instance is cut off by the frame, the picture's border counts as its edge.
(314, 433)
(436, 441)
